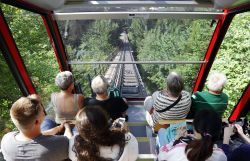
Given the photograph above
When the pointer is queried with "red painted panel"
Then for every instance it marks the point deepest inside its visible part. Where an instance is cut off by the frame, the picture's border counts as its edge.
(220, 26)
(4, 29)
(49, 17)
(52, 42)
(241, 104)
(58, 35)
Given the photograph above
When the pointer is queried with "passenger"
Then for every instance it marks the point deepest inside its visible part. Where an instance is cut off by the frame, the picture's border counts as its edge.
(172, 102)
(65, 104)
(207, 127)
(115, 107)
(242, 152)
(214, 98)
(97, 141)
(29, 143)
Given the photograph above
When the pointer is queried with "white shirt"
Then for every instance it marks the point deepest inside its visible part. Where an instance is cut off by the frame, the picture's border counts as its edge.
(130, 152)
(177, 153)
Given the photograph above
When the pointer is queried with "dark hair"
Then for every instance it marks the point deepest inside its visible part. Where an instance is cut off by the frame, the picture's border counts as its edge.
(94, 131)
(207, 123)
(175, 84)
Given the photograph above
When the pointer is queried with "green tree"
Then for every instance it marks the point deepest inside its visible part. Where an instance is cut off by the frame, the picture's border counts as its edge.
(37, 53)
(98, 43)
(233, 59)
(171, 39)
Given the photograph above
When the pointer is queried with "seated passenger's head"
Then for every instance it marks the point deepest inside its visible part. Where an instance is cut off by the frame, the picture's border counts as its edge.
(207, 127)
(175, 84)
(27, 112)
(91, 122)
(216, 82)
(99, 85)
(64, 80)
(94, 131)
(207, 123)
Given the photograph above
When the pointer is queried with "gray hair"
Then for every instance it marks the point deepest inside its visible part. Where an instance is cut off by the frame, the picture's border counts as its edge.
(175, 84)
(64, 80)
(216, 81)
(99, 84)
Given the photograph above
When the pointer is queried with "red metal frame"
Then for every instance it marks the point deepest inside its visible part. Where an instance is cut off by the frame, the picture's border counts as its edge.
(27, 6)
(217, 38)
(241, 104)
(55, 39)
(59, 39)
(213, 48)
(7, 35)
(58, 35)
(246, 94)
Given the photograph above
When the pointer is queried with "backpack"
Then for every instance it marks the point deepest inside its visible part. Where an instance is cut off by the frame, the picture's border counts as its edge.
(114, 92)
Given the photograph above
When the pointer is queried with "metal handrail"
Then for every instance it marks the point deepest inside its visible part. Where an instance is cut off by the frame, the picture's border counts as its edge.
(135, 62)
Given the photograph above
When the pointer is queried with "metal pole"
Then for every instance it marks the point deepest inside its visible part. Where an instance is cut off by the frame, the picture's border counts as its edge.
(135, 62)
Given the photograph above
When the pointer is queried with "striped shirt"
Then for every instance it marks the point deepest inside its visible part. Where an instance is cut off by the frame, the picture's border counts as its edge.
(179, 111)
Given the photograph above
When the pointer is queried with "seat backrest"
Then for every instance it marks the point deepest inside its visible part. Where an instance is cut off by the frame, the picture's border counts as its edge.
(166, 123)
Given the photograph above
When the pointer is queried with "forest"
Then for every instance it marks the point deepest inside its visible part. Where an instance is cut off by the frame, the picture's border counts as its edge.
(161, 39)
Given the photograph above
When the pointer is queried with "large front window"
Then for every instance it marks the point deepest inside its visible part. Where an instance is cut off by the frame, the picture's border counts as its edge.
(158, 45)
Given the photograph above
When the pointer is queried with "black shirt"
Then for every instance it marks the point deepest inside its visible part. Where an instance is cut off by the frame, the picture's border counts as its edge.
(115, 107)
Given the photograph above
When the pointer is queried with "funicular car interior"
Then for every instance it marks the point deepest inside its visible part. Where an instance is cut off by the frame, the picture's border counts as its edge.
(62, 20)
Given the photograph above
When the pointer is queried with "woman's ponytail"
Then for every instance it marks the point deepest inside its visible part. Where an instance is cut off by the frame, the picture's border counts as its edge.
(200, 150)
(207, 123)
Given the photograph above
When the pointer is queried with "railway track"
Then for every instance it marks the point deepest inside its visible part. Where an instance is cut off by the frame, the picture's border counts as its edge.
(126, 77)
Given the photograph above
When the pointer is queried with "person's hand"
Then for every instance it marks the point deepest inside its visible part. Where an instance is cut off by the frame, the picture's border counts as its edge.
(241, 133)
(60, 127)
(239, 129)
(66, 125)
(191, 136)
(180, 132)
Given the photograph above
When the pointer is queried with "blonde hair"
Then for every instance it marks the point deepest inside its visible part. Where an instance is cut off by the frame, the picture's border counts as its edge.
(25, 111)
(216, 81)
(99, 84)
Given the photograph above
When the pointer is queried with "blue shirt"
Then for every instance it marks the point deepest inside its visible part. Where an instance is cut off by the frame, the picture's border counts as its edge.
(242, 153)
